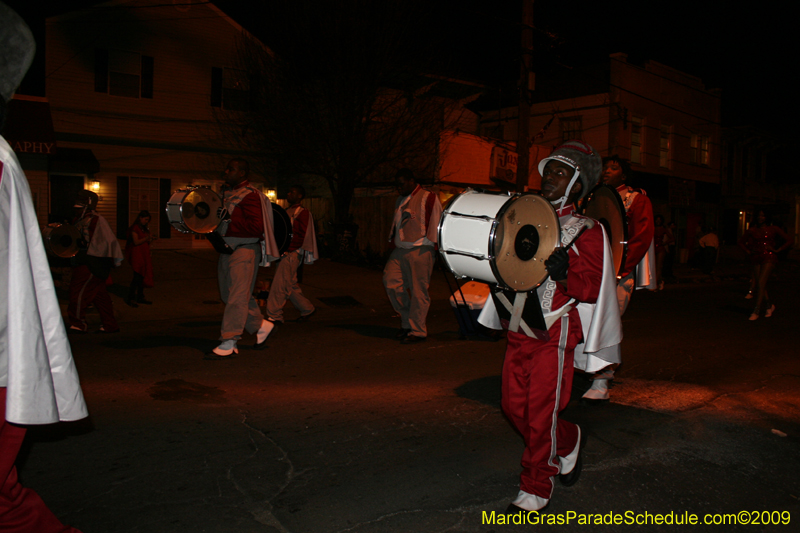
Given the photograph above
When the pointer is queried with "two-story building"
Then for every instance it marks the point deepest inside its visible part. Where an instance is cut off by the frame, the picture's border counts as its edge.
(134, 89)
(664, 121)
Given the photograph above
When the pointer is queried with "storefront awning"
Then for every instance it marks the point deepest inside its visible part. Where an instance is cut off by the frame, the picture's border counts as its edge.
(29, 126)
(74, 161)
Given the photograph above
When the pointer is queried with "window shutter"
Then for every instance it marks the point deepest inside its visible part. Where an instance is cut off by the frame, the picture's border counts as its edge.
(101, 70)
(216, 87)
(123, 207)
(165, 192)
(147, 77)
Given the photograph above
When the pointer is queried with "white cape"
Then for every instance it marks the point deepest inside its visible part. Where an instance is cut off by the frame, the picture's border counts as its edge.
(600, 321)
(646, 270)
(269, 247)
(35, 356)
(310, 240)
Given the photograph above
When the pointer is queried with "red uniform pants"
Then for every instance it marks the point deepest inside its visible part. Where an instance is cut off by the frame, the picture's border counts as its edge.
(87, 289)
(21, 509)
(537, 382)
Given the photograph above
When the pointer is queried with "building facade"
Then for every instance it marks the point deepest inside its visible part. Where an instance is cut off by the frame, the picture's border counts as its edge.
(665, 122)
(135, 91)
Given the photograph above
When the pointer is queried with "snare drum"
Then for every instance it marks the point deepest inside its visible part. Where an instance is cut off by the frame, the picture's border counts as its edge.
(499, 239)
(194, 210)
(61, 240)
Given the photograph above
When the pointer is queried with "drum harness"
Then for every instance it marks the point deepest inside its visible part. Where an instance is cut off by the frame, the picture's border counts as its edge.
(520, 299)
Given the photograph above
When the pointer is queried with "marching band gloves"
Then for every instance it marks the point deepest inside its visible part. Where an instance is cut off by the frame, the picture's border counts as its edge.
(558, 264)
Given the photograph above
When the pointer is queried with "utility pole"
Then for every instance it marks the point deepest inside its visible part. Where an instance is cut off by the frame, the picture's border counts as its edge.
(525, 88)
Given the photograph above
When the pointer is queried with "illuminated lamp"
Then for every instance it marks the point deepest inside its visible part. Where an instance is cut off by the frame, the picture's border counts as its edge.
(95, 185)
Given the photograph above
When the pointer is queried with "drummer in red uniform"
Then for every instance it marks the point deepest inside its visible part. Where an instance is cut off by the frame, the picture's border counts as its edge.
(248, 224)
(579, 308)
(639, 270)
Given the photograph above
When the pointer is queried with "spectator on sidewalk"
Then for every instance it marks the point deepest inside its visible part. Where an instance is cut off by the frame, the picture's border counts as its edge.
(137, 252)
(709, 245)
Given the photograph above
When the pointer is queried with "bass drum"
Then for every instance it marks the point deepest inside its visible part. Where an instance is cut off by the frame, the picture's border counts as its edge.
(194, 210)
(499, 239)
(281, 228)
(61, 240)
(605, 205)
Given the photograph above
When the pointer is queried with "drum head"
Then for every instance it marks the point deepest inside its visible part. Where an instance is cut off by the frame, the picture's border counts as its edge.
(61, 240)
(281, 228)
(199, 210)
(526, 234)
(605, 205)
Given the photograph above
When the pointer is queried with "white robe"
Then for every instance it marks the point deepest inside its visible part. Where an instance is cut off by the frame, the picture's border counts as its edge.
(36, 365)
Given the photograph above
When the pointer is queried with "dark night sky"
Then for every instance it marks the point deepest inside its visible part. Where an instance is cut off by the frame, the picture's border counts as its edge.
(741, 51)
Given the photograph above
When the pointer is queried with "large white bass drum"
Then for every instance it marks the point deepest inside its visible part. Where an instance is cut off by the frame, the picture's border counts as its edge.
(194, 210)
(499, 239)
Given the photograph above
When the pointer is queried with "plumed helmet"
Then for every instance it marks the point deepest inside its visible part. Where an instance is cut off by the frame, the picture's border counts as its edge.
(582, 158)
(17, 48)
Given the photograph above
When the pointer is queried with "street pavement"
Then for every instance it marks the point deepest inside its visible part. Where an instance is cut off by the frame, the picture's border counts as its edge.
(337, 427)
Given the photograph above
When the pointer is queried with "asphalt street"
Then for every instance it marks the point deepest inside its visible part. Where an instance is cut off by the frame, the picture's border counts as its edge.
(337, 427)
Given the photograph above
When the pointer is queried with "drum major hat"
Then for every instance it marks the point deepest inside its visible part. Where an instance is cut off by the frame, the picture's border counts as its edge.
(583, 158)
(17, 49)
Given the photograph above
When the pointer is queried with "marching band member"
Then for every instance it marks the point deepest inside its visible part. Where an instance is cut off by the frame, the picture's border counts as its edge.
(408, 271)
(577, 307)
(248, 217)
(302, 250)
(38, 380)
(639, 271)
(92, 266)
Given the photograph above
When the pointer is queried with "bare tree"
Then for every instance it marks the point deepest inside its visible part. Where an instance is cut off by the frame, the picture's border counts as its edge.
(345, 92)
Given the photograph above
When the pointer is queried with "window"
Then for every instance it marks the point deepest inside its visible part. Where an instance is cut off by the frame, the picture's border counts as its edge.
(143, 195)
(698, 149)
(571, 128)
(121, 73)
(495, 132)
(664, 147)
(230, 89)
(637, 139)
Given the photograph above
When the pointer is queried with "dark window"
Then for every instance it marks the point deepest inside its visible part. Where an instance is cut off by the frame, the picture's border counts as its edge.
(121, 73)
(230, 89)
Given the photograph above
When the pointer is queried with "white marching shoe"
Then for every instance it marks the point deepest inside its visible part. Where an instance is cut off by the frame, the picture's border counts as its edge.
(529, 502)
(263, 333)
(225, 350)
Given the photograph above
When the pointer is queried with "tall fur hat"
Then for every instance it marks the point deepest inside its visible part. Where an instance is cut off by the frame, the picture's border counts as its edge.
(17, 49)
(582, 158)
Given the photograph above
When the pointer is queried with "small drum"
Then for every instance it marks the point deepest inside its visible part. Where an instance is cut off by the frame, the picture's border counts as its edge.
(605, 205)
(281, 228)
(61, 240)
(194, 210)
(499, 239)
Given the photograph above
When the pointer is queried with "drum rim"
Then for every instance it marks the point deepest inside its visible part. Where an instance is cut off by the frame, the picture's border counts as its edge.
(621, 206)
(184, 228)
(53, 226)
(500, 213)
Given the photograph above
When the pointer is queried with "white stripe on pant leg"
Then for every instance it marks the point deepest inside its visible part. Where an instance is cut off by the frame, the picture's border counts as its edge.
(562, 346)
